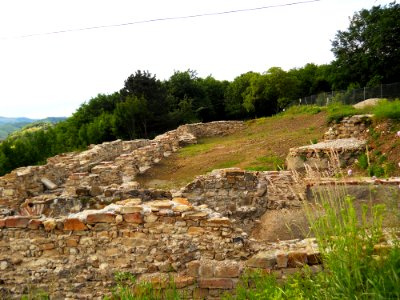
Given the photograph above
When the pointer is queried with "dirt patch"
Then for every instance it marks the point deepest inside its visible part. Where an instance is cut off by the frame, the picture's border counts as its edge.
(283, 224)
(263, 145)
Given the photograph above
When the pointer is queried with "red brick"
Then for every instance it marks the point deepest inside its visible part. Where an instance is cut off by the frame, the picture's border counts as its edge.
(34, 224)
(216, 283)
(74, 224)
(101, 218)
(134, 218)
(297, 259)
(2, 223)
(18, 222)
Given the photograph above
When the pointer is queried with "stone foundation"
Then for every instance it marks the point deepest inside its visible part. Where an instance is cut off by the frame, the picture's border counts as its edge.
(328, 155)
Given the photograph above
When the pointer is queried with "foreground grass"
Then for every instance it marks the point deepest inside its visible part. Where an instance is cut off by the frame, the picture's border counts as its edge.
(354, 266)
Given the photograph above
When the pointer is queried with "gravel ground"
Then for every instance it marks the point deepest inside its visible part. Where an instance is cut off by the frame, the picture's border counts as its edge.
(350, 143)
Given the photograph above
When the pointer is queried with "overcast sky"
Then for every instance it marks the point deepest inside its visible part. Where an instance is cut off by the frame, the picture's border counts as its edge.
(52, 74)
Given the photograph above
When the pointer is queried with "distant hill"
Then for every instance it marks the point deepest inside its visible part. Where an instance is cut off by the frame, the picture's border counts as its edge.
(10, 125)
(5, 120)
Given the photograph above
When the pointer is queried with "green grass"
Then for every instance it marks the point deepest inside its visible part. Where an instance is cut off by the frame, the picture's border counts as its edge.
(387, 110)
(353, 269)
(338, 111)
(267, 163)
(195, 149)
(128, 288)
(303, 109)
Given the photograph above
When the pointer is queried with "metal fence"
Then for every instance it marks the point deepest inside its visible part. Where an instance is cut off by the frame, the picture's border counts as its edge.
(389, 91)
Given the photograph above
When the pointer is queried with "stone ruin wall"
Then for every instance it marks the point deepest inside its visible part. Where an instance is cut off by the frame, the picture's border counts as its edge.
(245, 196)
(76, 257)
(199, 239)
(116, 162)
(350, 127)
(342, 145)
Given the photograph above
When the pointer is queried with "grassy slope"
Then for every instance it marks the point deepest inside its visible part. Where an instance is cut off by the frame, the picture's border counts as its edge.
(262, 146)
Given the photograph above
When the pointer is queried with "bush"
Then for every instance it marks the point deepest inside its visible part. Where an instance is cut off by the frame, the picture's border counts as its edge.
(387, 110)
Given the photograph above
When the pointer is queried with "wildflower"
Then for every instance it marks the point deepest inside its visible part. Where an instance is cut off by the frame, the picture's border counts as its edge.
(398, 164)
(349, 172)
(374, 177)
(398, 133)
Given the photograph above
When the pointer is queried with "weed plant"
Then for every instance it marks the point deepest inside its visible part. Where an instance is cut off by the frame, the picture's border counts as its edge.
(356, 264)
(128, 288)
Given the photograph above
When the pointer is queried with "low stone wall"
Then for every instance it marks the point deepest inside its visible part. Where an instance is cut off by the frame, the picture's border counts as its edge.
(244, 195)
(76, 257)
(328, 155)
(350, 127)
(101, 165)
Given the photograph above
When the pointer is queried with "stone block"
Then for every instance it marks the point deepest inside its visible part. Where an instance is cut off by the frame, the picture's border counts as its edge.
(34, 224)
(17, 222)
(183, 281)
(195, 230)
(193, 268)
(200, 294)
(150, 218)
(47, 246)
(49, 224)
(217, 222)
(228, 269)
(206, 269)
(133, 218)
(297, 259)
(101, 218)
(74, 224)
(263, 260)
(183, 201)
(195, 216)
(216, 283)
(281, 260)
(131, 209)
(71, 243)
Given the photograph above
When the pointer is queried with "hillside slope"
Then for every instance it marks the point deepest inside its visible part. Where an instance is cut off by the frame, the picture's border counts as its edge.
(262, 146)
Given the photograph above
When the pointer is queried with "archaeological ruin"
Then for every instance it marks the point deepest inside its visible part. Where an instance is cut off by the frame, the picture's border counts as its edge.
(68, 226)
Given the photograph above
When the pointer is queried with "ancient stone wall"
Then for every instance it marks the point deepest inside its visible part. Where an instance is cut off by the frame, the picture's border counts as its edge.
(350, 127)
(86, 173)
(329, 155)
(244, 195)
(77, 256)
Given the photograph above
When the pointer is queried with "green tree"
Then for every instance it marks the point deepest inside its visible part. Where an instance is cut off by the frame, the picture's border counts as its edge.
(235, 94)
(130, 118)
(144, 85)
(369, 50)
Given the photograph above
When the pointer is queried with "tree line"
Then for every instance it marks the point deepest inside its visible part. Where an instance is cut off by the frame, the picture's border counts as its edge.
(366, 54)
